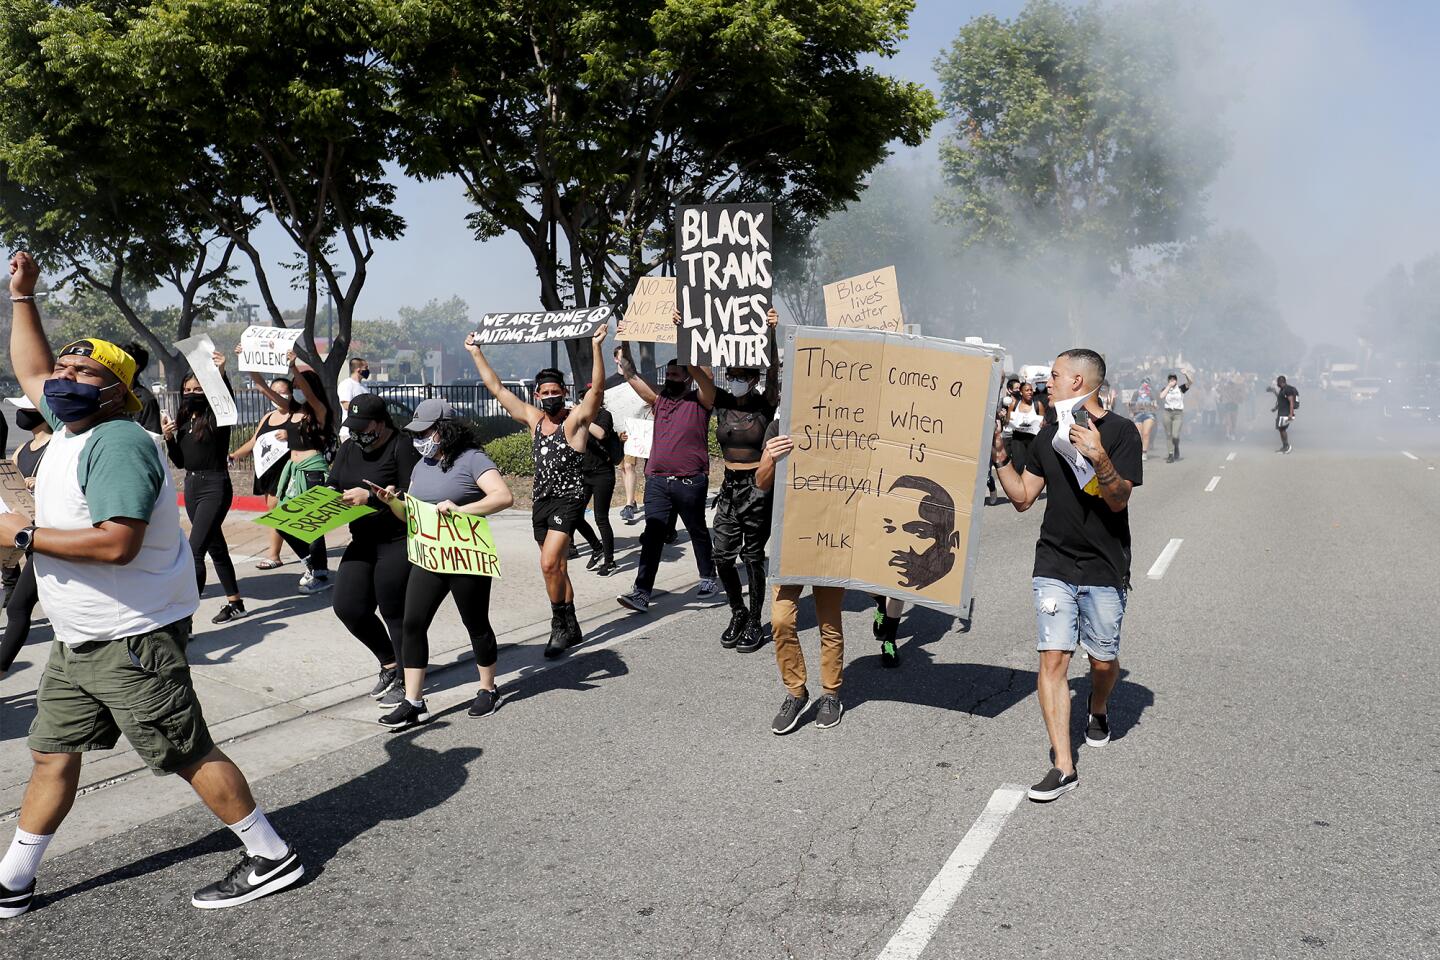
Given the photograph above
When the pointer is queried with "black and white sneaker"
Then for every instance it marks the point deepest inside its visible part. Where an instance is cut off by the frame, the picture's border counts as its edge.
(1097, 731)
(392, 698)
(385, 682)
(250, 879)
(828, 711)
(791, 712)
(233, 610)
(637, 600)
(15, 902)
(1054, 785)
(486, 703)
(405, 716)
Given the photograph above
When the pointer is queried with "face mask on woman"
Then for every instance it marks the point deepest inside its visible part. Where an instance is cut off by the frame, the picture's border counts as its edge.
(365, 440)
(427, 447)
(193, 403)
(740, 388)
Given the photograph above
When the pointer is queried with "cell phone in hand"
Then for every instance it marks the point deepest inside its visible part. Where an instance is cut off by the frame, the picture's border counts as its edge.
(1082, 417)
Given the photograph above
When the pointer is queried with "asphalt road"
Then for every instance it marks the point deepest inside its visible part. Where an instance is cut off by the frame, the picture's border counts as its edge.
(1270, 792)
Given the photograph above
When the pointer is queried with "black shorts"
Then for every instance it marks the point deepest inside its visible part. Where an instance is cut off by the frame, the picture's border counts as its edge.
(556, 513)
(742, 519)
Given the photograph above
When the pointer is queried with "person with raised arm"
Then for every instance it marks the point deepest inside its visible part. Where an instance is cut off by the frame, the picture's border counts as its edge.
(116, 576)
(560, 434)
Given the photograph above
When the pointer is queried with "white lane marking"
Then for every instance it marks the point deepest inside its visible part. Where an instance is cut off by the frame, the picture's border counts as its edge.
(1214, 482)
(915, 933)
(1231, 457)
(1409, 454)
(1162, 562)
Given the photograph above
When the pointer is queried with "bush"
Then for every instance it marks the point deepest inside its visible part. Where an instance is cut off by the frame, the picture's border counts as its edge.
(714, 443)
(490, 429)
(513, 454)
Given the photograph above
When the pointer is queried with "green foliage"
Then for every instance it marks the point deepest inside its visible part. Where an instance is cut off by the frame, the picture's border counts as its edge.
(513, 454)
(1403, 322)
(490, 429)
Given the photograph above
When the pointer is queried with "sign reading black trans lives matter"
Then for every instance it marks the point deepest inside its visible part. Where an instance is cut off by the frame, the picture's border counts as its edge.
(540, 327)
(725, 267)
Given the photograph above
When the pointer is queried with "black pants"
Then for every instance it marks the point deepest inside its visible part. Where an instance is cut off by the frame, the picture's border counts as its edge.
(664, 498)
(18, 613)
(602, 492)
(742, 519)
(312, 553)
(371, 576)
(422, 601)
(207, 502)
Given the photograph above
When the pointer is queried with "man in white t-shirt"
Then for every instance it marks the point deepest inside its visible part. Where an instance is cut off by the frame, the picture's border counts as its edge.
(115, 574)
(352, 387)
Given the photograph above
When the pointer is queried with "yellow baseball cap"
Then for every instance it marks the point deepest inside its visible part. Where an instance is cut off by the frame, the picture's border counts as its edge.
(112, 358)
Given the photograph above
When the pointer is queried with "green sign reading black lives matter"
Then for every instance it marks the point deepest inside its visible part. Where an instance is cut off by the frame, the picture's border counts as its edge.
(450, 542)
(312, 514)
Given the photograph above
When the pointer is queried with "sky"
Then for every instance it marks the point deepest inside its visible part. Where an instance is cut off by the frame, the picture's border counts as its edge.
(1332, 168)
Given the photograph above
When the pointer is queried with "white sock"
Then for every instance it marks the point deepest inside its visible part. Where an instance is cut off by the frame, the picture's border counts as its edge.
(21, 861)
(259, 837)
(416, 703)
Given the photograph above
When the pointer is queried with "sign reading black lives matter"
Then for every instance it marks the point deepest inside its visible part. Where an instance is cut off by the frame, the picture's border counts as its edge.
(883, 490)
(725, 267)
(540, 327)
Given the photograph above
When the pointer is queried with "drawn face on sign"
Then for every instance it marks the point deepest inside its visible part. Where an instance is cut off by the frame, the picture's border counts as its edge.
(923, 542)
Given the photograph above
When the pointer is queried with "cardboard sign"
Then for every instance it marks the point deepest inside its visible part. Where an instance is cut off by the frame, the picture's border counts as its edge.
(15, 497)
(267, 349)
(647, 316)
(312, 514)
(639, 436)
(870, 301)
(625, 404)
(199, 353)
(267, 452)
(882, 492)
(723, 262)
(449, 542)
(541, 327)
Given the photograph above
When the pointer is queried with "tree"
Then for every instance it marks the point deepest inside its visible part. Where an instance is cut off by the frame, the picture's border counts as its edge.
(580, 124)
(1403, 313)
(1079, 136)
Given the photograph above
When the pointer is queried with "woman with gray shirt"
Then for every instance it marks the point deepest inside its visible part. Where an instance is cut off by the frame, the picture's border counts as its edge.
(456, 476)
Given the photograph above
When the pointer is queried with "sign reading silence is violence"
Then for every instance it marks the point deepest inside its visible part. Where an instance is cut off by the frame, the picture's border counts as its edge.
(724, 271)
(882, 490)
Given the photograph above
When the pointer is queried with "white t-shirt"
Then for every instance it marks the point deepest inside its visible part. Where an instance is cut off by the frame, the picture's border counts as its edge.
(112, 471)
(1174, 397)
(350, 388)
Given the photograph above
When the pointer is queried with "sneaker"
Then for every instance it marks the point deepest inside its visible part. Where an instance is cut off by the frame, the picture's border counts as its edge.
(627, 513)
(637, 600)
(385, 682)
(1170, 458)
(752, 638)
(791, 711)
(574, 552)
(250, 879)
(1145, 455)
(596, 558)
(486, 703)
(233, 610)
(671, 537)
(739, 620)
(708, 587)
(307, 578)
(15, 902)
(392, 698)
(406, 715)
(1287, 449)
(889, 653)
(1097, 732)
(827, 714)
(606, 568)
(319, 582)
(1054, 784)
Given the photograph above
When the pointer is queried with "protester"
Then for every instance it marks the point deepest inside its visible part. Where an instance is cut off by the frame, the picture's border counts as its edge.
(352, 387)
(1082, 559)
(201, 447)
(309, 433)
(560, 437)
(603, 451)
(629, 465)
(1287, 401)
(677, 476)
(1172, 399)
(785, 611)
(1008, 398)
(1026, 418)
(1231, 392)
(20, 596)
(117, 581)
(455, 476)
(1142, 408)
(149, 415)
(374, 568)
(267, 484)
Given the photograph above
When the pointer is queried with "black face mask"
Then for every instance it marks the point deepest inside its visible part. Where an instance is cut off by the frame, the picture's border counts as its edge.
(365, 440)
(365, 374)
(193, 404)
(552, 405)
(673, 388)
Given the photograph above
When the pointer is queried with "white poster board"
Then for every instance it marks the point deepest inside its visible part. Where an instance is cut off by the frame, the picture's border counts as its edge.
(639, 435)
(200, 353)
(267, 349)
(268, 451)
(625, 404)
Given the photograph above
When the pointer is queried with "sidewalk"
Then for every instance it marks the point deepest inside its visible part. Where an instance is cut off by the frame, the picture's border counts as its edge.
(290, 659)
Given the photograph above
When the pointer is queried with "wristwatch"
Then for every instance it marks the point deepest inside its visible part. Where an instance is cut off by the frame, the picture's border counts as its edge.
(25, 539)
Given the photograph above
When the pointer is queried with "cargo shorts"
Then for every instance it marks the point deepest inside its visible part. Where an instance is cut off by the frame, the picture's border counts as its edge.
(140, 686)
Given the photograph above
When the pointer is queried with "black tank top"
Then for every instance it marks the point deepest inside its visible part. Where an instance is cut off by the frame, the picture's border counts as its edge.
(27, 461)
(557, 465)
(304, 434)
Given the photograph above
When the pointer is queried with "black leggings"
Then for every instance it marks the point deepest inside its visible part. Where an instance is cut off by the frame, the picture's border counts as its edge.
(18, 613)
(602, 493)
(207, 502)
(373, 575)
(422, 601)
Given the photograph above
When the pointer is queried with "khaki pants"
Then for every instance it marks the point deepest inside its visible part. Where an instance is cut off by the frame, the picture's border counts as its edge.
(829, 603)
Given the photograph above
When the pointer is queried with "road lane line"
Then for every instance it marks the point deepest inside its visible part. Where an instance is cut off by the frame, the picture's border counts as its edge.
(1231, 457)
(1214, 482)
(915, 933)
(1409, 454)
(1162, 562)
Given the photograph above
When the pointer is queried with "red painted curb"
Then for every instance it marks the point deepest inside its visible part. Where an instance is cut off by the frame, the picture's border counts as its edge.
(245, 504)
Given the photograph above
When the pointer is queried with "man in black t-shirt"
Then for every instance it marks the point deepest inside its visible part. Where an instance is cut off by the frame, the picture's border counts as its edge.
(1287, 398)
(1082, 559)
